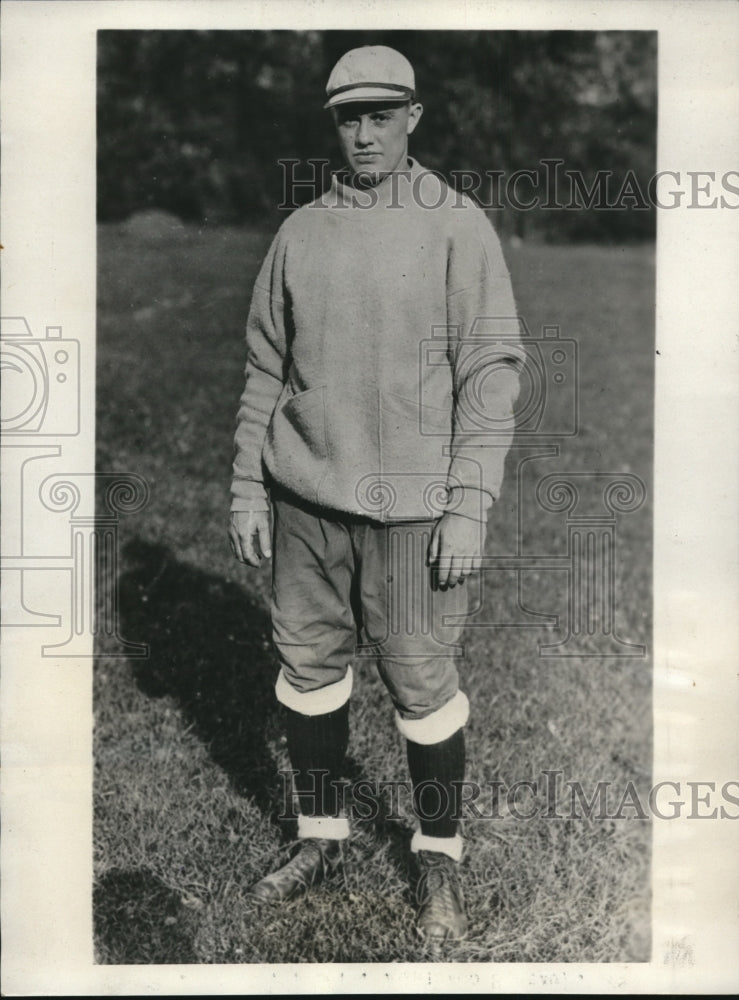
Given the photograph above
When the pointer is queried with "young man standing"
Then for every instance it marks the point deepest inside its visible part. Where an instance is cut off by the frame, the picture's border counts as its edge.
(383, 365)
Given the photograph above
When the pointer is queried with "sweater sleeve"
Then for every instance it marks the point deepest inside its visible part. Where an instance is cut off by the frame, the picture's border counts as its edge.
(265, 376)
(487, 358)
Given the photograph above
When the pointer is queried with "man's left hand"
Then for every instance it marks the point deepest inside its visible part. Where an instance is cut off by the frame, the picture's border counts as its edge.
(455, 549)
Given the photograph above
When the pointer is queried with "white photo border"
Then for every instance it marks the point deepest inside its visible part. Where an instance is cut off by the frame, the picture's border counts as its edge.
(48, 93)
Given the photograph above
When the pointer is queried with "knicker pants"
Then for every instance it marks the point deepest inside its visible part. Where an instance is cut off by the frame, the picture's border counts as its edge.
(340, 578)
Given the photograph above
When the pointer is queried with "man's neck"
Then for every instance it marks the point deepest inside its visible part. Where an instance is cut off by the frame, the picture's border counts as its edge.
(362, 181)
(395, 189)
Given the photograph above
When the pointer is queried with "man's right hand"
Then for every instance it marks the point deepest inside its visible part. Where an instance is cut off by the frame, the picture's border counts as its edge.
(249, 535)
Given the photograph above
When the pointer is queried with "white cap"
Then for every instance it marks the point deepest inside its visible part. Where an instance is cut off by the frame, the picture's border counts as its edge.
(370, 73)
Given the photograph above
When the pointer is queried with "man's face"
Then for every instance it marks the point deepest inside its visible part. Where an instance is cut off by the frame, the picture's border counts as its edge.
(374, 136)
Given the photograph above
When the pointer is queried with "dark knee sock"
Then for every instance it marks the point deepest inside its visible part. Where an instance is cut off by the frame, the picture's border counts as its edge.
(317, 746)
(441, 765)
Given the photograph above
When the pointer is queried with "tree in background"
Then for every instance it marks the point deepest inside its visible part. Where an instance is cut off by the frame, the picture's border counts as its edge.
(195, 122)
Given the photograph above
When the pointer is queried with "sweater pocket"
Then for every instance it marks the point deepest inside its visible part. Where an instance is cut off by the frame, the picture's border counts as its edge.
(296, 448)
(412, 434)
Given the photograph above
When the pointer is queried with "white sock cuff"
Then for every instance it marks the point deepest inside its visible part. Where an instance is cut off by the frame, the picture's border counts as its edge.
(319, 702)
(451, 846)
(438, 726)
(327, 827)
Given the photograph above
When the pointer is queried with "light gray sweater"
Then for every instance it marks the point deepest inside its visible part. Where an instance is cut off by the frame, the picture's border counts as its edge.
(383, 355)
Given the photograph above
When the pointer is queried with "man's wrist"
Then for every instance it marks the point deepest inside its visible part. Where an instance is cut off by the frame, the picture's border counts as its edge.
(248, 495)
(469, 502)
(240, 506)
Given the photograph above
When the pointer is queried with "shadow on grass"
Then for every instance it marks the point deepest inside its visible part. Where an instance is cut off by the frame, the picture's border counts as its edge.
(209, 650)
(138, 920)
(383, 826)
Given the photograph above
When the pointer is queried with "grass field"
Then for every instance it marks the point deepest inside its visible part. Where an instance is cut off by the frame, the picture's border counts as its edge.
(188, 741)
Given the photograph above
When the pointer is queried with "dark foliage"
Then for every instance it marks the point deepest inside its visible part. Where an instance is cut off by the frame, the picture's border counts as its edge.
(195, 122)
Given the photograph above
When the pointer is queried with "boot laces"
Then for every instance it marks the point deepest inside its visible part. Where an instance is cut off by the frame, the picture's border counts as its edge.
(304, 867)
(438, 888)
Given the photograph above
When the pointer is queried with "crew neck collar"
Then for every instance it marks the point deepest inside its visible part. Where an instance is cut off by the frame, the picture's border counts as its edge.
(393, 190)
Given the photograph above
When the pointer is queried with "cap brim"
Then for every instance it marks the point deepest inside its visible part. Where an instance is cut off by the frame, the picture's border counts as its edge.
(359, 94)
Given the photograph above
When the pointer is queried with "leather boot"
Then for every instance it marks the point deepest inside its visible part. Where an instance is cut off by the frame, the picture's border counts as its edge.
(441, 915)
(315, 860)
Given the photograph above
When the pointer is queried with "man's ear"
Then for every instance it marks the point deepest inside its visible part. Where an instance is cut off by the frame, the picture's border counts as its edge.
(414, 116)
